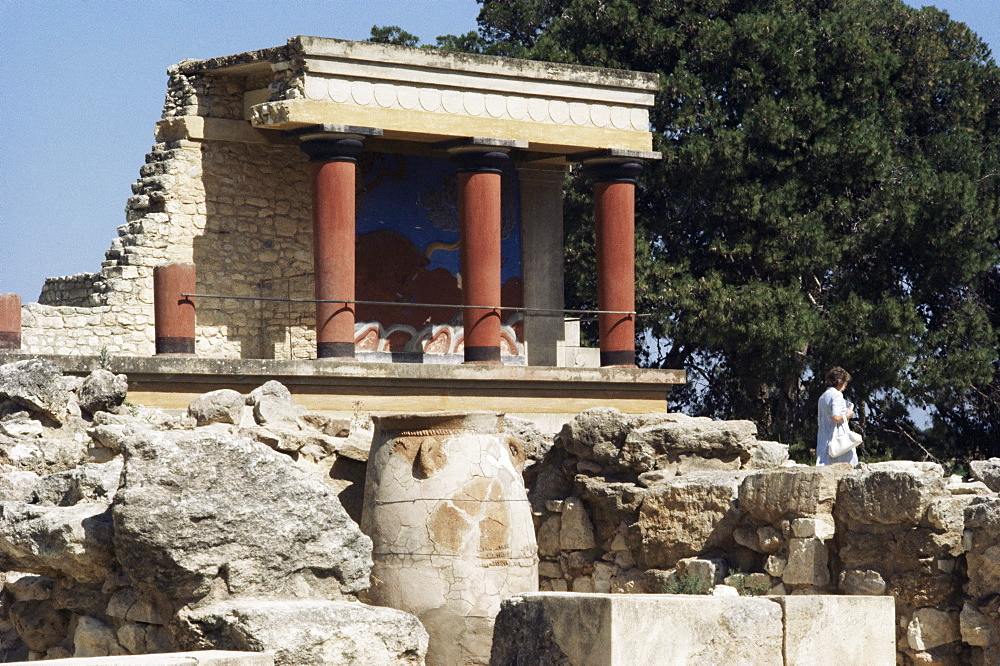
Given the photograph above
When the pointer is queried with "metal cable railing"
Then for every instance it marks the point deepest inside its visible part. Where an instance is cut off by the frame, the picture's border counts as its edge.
(551, 312)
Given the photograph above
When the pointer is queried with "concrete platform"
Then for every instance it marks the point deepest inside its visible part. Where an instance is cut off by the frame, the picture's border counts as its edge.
(540, 393)
(681, 630)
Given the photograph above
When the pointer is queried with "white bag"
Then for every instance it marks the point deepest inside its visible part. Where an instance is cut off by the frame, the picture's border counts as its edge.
(843, 440)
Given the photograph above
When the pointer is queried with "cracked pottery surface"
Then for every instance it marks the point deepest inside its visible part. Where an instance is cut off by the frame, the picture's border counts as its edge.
(449, 518)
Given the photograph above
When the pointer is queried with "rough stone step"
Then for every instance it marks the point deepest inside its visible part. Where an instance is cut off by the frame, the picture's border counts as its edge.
(197, 658)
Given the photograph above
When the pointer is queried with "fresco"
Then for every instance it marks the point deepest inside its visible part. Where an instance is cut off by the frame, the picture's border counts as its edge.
(408, 251)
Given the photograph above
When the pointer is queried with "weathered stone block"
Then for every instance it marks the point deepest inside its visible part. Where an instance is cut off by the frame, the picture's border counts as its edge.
(987, 471)
(304, 632)
(890, 493)
(827, 630)
(222, 406)
(687, 515)
(619, 630)
(792, 492)
(187, 520)
(576, 531)
(807, 563)
(930, 628)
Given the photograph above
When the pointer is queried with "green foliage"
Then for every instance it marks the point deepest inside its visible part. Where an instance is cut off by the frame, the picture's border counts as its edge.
(829, 195)
(686, 584)
(393, 34)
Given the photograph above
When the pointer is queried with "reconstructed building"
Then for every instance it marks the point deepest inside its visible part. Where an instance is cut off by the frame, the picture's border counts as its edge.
(329, 199)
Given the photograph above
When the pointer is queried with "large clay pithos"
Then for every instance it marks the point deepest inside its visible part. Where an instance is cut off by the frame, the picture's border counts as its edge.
(449, 519)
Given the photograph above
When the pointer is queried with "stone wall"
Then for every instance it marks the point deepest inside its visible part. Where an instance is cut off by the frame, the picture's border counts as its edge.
(127, 531)
(667, 503)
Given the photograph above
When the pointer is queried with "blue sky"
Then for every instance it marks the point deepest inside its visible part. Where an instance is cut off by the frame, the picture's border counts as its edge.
(82, 85)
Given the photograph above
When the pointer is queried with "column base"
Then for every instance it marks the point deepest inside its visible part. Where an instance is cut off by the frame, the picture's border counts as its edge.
(624, 358)
(483, 355)
(175, 346)
(10, 340)
(339, 350)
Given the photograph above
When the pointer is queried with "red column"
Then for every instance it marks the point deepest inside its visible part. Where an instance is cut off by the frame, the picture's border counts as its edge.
(479, 203)
(333, 161)
(614, 212)
(10, 321)
(174, 316)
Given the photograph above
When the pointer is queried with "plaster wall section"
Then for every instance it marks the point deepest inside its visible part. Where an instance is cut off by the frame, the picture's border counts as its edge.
(542, 253)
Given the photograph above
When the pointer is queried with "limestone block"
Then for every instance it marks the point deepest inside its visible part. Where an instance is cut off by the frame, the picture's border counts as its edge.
(17, 485)
(139, 638)
(821, 528)
(549, 570)
(73, 542)
(891, 493)
(862, 582)
(792, 492)
(93, 638)
(548, 536)
(975, 627)
(711, 571)
(688, 463)
(807, 563)
(222, 406)
(36, 384)
(576, 532)
(38, 624)
(765, 455)
(29, 587)
(775, 565)
(687, 515)
(930, 628)
(987, 471)
(186, 517)
(301, 632)
(89, 482)
(769, 539)
(127, 605)
(620, 630)
(651, 478)
(830, 630)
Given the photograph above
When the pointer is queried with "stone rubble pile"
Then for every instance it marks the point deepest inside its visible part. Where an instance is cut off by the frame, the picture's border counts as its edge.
(670, 503)
(124, 530)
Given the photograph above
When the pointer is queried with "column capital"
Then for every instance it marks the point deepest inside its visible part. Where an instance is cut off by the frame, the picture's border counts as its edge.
(614, 165)
(332, 143)
(479, 160)
(618, 171)
(332, 147)
(479, 154)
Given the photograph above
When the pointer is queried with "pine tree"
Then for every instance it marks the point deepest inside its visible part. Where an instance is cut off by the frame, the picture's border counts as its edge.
(829, 195)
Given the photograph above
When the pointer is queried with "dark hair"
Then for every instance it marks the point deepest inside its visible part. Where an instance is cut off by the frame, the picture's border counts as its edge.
(837, 376)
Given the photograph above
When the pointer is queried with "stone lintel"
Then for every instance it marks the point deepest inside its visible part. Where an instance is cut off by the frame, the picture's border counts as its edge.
(428, 127)
(615, 155)
(332, 128)
(480, 142)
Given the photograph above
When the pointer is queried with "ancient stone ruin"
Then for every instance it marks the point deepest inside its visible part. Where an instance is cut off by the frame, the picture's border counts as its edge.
(271, 422)
(128, 530)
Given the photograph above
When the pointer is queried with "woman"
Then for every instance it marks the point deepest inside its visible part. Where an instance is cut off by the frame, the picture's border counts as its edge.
(833, 411)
